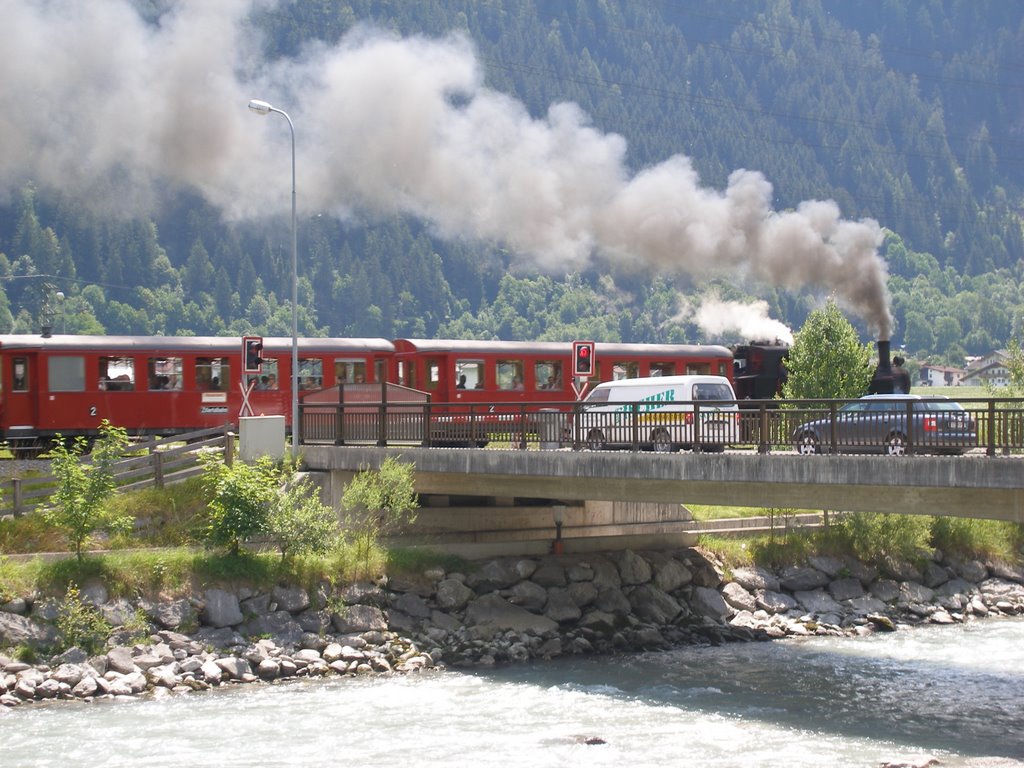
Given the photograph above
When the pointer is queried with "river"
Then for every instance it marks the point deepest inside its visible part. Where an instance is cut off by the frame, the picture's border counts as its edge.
(953, 692)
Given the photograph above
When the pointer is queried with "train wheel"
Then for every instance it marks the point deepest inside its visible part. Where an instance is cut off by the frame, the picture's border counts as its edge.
(896, 444)
(661, 440)
(807, 444)
(595, 440)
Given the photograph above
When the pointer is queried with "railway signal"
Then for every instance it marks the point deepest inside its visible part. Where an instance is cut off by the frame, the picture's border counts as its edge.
(583, 358)
(252, 354)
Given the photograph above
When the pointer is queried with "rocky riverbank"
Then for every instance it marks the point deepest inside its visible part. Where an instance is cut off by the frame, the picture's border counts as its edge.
(502, 611)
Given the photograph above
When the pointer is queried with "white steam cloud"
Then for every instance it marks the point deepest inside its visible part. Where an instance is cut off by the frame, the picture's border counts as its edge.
(750, 320)
(98, 102)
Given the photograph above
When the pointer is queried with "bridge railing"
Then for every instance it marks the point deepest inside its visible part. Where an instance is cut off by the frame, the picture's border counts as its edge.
(993, 426)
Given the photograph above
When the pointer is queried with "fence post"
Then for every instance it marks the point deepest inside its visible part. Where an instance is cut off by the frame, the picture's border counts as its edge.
(763, 445)
(157, 458)
(991, 427)
(229, 448)
(17, 500)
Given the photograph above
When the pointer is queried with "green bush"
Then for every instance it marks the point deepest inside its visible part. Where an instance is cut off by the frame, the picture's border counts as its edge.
(966, 537)
(298, 522)
(240, 500)
(378, 503)
(80, 624)
(78, 506)
(873, 536)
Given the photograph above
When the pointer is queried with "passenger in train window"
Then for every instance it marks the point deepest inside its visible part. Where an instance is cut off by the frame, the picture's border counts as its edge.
(462, 382)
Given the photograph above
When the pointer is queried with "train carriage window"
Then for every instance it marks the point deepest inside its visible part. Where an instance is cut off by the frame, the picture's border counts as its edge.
(117, 374)
(213, 373)
(67, 374)
(311, 373)
(267, 378)
(473, 371)
(625, 370)
(349, 371)
(164, 373)
(547, 374)
(694, 369)
(510, 374)
(432, 374)
(19, 375)
(662, 369)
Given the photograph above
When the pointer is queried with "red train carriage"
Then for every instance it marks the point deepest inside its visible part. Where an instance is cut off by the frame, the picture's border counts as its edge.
(518, 371)
(161, 385)
(463, 373)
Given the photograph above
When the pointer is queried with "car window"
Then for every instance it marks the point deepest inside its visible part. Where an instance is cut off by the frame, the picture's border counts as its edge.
(713, 391)
(885, 405)
(598, 396)
(942, 405)
(854, 407)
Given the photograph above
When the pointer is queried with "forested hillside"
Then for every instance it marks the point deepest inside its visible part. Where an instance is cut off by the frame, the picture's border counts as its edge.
(908, 112)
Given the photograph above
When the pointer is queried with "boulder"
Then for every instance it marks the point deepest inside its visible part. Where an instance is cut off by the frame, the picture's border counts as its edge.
(710, 603)
(291, 599)
(797, 578)
(754, 578)
(651, 604)
(221, 609)
(561, 607)
(493, 575)
(494, 611)
(633, 569)
(738, 597)
(452, 595)
(21, 630)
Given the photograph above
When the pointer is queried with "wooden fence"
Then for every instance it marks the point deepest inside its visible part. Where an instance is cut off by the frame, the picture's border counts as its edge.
(153, 463)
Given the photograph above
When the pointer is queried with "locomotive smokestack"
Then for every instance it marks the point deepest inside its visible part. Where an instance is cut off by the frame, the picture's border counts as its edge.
(882, 381)
(884, 362)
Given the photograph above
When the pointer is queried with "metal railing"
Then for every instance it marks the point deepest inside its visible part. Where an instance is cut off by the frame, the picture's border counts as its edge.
(990, 426)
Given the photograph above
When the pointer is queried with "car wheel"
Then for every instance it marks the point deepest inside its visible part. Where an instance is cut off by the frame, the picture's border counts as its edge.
(807, 444)
(896, 444)
(661, 440)
(595, 440)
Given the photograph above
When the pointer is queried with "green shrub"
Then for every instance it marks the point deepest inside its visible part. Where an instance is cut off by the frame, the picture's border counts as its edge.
(78, 506)
(377, 503)
(966, 537)
(240, 500)
(873, 536)
(298, 522)
(80, 624)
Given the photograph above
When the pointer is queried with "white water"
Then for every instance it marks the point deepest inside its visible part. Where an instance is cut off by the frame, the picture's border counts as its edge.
(951, 692)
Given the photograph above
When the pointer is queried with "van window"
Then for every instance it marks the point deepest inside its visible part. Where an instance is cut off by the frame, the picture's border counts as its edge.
(663, 369)
(598, 396)
(712, 391)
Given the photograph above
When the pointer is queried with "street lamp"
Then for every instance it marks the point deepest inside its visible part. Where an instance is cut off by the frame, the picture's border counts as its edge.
(263, 108)
(59, 295)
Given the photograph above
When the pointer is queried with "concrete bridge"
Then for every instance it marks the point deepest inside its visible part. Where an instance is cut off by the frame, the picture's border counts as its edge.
(610, 495)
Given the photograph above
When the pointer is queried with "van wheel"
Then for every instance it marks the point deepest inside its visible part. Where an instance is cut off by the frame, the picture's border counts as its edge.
(661, 441)
(595, 440)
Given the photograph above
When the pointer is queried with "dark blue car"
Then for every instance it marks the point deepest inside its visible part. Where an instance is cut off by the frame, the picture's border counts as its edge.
(878, 424)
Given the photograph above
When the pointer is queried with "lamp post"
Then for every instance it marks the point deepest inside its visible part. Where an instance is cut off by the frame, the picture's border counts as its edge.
(59, 295)
(263, 108)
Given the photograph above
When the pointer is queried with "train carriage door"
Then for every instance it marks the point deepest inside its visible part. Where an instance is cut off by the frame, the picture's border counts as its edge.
(19, 381)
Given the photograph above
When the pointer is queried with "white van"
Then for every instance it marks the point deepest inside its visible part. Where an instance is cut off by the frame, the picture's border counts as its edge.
(658, 413)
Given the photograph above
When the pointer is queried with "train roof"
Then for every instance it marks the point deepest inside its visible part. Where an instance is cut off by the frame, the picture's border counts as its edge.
(558, 347)
(168, 344)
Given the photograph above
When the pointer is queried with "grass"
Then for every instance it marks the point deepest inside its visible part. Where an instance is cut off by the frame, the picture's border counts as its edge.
(704, 512)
